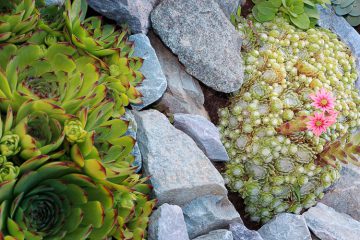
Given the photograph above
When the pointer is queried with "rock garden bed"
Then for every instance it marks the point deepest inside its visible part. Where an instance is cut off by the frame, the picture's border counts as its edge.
(193, 121)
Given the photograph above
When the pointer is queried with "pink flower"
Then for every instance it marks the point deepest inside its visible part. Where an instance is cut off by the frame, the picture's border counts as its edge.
(323, 100)
(318, 123)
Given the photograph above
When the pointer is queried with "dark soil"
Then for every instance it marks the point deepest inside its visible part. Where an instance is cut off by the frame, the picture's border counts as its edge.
(238, 203)
(214, 101)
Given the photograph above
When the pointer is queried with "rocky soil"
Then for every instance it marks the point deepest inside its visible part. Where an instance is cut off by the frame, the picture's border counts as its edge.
(192, 62)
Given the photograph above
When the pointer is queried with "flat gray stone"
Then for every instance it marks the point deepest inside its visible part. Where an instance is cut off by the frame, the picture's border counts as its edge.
(221, 234)
(205, 134)
(327, 224)
(134, 13)
(204, 40)
(183, 93)
(131, 131)
(179, 170)
(345, 195)
(208, 213)
(347, 34)
(154, 85)
(240, 232)
(167, 223)
(285, 226)
(229, 6)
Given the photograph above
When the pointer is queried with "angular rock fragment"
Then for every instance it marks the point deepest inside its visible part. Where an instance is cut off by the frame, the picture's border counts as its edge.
(179, 170)
(204, 40)
(166, 223)
(205, 134)
(327, 224)
(208, 213)
(154, 85)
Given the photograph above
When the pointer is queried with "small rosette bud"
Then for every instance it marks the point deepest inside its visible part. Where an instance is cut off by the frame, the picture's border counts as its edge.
(74, 131)
(9, 145)
(7, 170)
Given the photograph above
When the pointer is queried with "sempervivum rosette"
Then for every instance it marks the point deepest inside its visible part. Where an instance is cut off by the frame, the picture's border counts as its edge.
(66, 168)
(55, 200)
(288, 128)
(18, 19)
(57, 74)
(110, 46)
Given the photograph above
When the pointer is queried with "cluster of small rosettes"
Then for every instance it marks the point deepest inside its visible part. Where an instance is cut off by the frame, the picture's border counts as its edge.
(275, 173)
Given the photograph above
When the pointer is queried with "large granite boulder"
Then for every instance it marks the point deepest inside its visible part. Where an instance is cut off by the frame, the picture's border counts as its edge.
(179, 170)
(205, 134)
(285, 226)
(154, 85)
(209, 213)
(327, 224)
(183, 93)
(344, 197)
(167, 223)
(204, 40)
(135, 13)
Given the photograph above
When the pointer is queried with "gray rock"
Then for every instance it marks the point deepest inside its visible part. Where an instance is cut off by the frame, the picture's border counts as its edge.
(179, 170)
(285, 226)
(205, 134)
(345, 195)
(132, 129)
(54, 2)
(229, 6)
(240, 232)
(154, 85)
(183, 93)
(221, 234)
(204, 40)
(208, 213)
(166, 223)
(135, 13)
(338, 25)
(327, 224)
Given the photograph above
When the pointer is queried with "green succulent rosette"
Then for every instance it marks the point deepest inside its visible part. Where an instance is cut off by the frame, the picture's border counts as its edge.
(74, 131)
(277, 162)
(9, 145)
(7, 170)
(57, 74)
(56, 200)
(65, 163)
(18, 23)
(110, 46)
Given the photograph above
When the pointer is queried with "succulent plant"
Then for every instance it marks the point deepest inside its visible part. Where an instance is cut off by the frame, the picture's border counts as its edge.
(277, 163)
(52, 200)
(57, 74)
(7, 170)
(111, 47)
(350, 10)
(302, 13)
(65, 163)
(18, 23)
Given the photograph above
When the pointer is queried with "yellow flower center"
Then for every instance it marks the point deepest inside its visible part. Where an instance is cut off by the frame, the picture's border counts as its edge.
(324, 102)
(318, 123)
